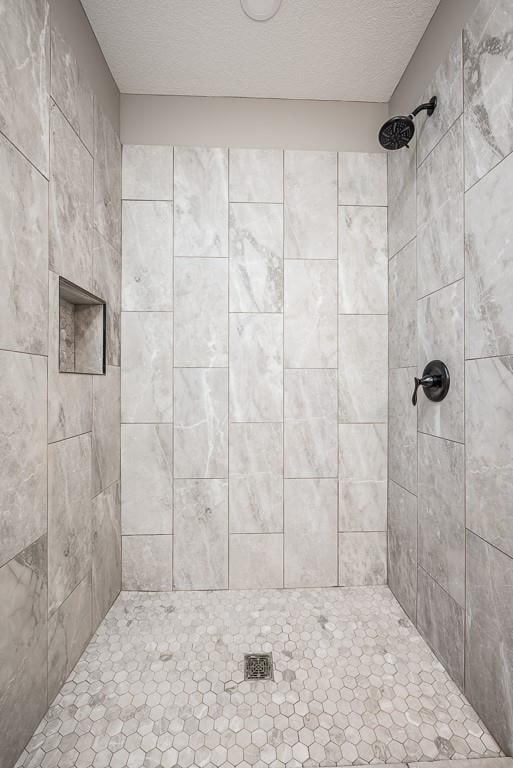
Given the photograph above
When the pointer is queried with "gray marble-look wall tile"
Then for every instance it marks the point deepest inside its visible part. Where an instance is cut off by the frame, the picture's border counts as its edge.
(23, 254)
(147, 367)
(88, 327)
(310, 314)
(147, 256)
(362, 559)
(107, 179)
(489, 449)
(106, 551)
(311, 440)
(23, 648)
(488, 641)
(441, 467)
(489, 264)
(402, 429)
(441, 337)
(25, 78)
(147, 478)
(402, 203)
(147, 172)
(247, 554)
(71, 203)
(256, 175)
(201, 202)
(362, 469)
(256, 367)
(201, 422)
(22, 451)
(362, 260)
(69, 631)
(66, 336)
(201, 312)
(107, 285)
(310, 533)
(362, 367)
(256, 478)
(440, 251)
(256, 257)
(442, 623)
(147, 563)
(447, 86)
(402, 547)
(362, 178)
(69, 516)
(488, 87)
(105, 437)
(70, 89)
(201, 534)
(402, 307)
(310, 205)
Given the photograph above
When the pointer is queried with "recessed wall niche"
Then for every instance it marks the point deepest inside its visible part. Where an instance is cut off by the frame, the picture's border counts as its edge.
(81, 330)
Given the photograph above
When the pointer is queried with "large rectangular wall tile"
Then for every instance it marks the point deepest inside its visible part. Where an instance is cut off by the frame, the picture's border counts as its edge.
(107, 179)
(23, 254)
(147, 367)
(402, 429)
(442, 622)
(147, 563)
(488, 78)
(256, 367)
(25, 78)
(147, 256)
(362, 477)
(107, 285)
(402, 547)
(440, 251)
(362, 366)
(22, 451)
(310, 314)
(489, 264)
(256, 478)
(362, 559)
(147, 172)
(362, 178)
(106, 554)
(441, 508)
(311, 423)
(402, 204)
(69, 516)
(489, 435)
(362, 260)
(256, 257)
(201, 422)
(310, 205)
(311, 533)
(256, 175)
(105, 437)
(147, 478)
(441, 337)
(201, 534)
(201, 312)
(23, 648)
(71, 203)
(402, 307)
(201, 202)
(256, 561)
(69, 631)
(489, 638)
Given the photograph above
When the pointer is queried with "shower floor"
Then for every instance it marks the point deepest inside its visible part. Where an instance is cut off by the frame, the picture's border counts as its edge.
(162, 684)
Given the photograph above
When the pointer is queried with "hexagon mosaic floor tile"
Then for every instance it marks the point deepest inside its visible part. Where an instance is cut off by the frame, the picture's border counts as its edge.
(162, 685)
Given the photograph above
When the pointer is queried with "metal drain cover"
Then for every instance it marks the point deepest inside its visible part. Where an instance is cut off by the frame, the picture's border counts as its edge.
(258, 666)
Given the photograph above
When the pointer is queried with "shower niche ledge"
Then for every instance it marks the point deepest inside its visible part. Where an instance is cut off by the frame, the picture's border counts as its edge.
(81, 330)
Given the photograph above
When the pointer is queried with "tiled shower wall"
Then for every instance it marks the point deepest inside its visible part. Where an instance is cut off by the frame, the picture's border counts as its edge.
(451, 283)
(254, 368)
(60, 206)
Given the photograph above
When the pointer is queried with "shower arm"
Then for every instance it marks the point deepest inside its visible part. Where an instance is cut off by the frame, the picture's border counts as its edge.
(429, 107)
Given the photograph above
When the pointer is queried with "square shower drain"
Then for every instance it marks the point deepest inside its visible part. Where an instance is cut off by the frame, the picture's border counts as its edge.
(258, 666)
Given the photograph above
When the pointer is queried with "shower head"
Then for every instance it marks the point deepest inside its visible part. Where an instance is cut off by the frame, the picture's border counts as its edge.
(397, 132)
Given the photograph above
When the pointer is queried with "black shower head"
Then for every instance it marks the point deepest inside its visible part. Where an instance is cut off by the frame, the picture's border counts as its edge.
(397, 132)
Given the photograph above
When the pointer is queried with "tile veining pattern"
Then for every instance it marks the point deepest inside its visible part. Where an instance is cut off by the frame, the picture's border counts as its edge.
(451, 468)
(162, 685)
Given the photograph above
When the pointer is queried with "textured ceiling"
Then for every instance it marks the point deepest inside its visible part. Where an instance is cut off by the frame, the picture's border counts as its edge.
(352, 50)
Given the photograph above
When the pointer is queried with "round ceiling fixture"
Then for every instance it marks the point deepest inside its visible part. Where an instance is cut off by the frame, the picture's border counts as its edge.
(260, 10)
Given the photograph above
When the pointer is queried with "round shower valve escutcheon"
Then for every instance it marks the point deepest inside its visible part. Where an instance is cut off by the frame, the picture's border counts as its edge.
(435, 382)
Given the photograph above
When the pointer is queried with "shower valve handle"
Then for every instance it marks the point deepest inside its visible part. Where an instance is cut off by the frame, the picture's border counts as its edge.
(427, 382)
(435, 381)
